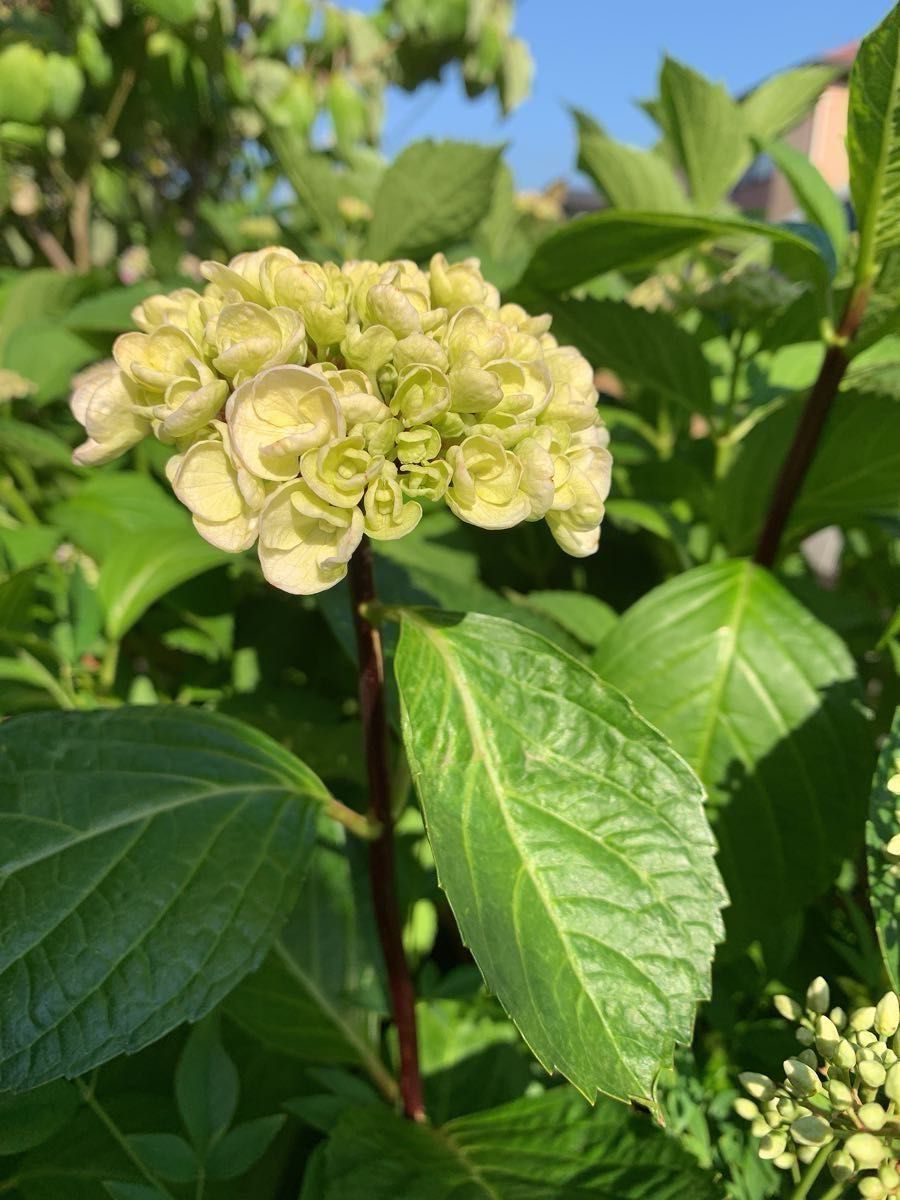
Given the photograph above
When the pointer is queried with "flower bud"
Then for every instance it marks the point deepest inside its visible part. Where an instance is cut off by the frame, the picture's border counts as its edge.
(871, 1073)
(889, 1176)
(871, 1188)
(787, 1008)
(772, 1145)
(844, 1055)
(811, 1131)
(785, 1161)
(862, 1018)
(839, 1093)
(887, 1014)
(746, 1108)
(810, 1058)
(806, 1154)
(818, 995)
(892, 1083)
(787, 1109)
(866, 1150)
(872, 1116)
(841, 1166)
(760, 1087)
(892, 849)
(801, 1078)
(839, 1017)
(759, 1127)
(805, 1035)
(827, 1036)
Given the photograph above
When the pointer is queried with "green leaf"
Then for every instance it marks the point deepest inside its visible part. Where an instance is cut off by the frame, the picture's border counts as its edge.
(594, 914)
(646, 348)
(779, 102)
(873, 142)
(305, 999)
(37, 446)
(138, 571)
(244, 1145)
(148, 858)
(615, 240)
(166, 1154)
(640, 180)
(31, 1118)
(550, 1145)
(812, 192)
(48, 354)
(854, 474)
(132, 1191)
(312, 176)
(584, 617)
(110, 312)
(207, 1086)
(763, 702)
(16, 595)
(884, 895)
(434, 193)
(705, 128)
(108, 504)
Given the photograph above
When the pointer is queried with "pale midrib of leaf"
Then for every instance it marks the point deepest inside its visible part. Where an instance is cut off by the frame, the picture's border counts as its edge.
(164, 911)
(481, 755)
(869, 225)
(471, 1169)
(346, 1029)
(727, 651)
(12, 867)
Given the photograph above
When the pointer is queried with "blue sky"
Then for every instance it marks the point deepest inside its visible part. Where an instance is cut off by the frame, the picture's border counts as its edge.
(602, 55)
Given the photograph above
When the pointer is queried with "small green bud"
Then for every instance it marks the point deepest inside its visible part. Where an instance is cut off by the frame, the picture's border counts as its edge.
(801, 1077)
(841, 1166)
(760, 1087)
(844, 1055)
(839, 1017)
(827, 1036)
(788, 1110)
(818, 995)
(759, 1127)
(804, 1035)
(889, 1176)
(772, 1118)
(862, 1018)
(785, 1161)
(806, 1154)
(787, 1008)
(889, 1057)
(872, 1074)
(809, 1057)
(892, 848)
(811, 1131)
(866, 1037)
(746, 1108)
(887, 1014)
(872, 1116)
(839, 1093)
(774, 1144)
(871, 1188)
(865, 1149)
(892, 1083)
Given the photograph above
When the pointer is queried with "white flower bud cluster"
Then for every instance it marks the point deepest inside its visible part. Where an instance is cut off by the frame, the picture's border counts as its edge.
(311, 403)
(842, 1091)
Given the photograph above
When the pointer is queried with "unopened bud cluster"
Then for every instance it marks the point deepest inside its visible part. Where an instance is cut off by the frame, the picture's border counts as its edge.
(309, 404)
(841, 1092)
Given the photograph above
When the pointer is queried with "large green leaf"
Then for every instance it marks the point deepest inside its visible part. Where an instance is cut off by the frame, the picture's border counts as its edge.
(873, 141)
(109, 503)
(433, 194)
(855, 473)
(629, 178)
(46, 352)
(781, 101)
(306, 999)
(763, 702)
(546, 1146)
(613, 239)
(646, 348)
(571, 843)
(704, 127)
(147, 858)
(37, 446)
(813, 193)
(883, 825)
(110, 312)
(138, 571)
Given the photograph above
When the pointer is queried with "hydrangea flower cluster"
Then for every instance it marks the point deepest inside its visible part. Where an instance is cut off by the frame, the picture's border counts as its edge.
(309, 404)
(841, 1091)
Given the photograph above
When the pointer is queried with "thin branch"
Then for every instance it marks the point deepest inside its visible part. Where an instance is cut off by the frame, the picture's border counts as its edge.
(382, 878)
(49, 246)
(809, 430)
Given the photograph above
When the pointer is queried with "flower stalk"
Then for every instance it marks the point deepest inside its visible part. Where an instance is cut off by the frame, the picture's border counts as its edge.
(373, 714)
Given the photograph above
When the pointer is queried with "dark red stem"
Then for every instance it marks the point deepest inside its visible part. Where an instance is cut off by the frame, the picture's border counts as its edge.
(808, 431)
(373, 713)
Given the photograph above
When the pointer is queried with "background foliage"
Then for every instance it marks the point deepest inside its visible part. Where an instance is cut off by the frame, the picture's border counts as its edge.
(138, 139)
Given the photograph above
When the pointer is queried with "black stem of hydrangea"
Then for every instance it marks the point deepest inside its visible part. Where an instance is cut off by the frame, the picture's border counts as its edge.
(809, 429)
(382, 878)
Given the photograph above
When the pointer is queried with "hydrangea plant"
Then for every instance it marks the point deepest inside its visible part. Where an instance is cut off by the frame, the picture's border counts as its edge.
(311, 404)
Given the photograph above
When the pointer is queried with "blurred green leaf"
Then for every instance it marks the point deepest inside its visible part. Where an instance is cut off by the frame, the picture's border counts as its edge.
(779, 102)
(882, 826)
(629, 178)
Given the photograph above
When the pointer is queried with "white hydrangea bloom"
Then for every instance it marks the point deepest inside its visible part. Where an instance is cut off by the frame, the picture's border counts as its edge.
(311, 403)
